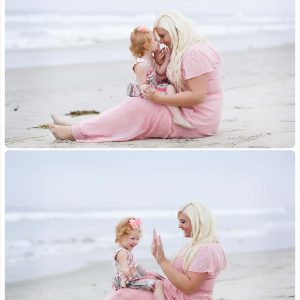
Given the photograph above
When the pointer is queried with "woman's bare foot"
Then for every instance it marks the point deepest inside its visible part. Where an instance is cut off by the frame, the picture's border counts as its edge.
(59, 120)
(62, 132)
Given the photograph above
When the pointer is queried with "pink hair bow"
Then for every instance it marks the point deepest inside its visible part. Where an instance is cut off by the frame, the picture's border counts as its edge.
(135, 223)
(143, 29)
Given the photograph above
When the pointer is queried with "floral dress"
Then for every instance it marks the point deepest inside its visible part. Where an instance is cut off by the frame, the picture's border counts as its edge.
(159, 82)
(139, 280)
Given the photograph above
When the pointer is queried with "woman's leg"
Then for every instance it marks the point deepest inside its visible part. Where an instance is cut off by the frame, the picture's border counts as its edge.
(133, 119)
(59, 120)
(62, 132)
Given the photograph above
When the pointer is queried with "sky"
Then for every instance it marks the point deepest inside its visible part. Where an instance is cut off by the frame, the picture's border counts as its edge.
(256, 7)
(105, 180)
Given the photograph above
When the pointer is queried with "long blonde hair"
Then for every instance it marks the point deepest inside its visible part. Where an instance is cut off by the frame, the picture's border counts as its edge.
(203, 231)
(183, 36)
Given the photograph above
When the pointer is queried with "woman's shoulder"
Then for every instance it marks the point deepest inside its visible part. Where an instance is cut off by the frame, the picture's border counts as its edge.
(214, 246)
(211, 250)
(202, 46)
(202, 50)
(209, 258)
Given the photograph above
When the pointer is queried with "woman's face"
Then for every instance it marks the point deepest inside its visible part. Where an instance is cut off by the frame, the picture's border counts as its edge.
(164, 37)
(185, 224)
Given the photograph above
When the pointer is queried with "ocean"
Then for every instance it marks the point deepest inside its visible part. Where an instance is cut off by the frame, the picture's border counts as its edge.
(42, 39)
(40, 243)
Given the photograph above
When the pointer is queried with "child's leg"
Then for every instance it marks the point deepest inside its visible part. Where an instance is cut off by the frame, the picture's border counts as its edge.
(177, 117)
(159, 290)
(171, 89)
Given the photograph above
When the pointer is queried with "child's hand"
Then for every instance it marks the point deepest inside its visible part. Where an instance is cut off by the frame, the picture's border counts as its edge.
(126, 272)
(159, 56)
(133, 272)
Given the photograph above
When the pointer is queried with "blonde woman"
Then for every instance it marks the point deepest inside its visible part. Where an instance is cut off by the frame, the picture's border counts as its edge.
(193, 70)
(193, 271)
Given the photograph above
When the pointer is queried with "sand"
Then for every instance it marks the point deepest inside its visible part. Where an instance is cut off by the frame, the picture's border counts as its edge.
(259, 101)
(262, 275)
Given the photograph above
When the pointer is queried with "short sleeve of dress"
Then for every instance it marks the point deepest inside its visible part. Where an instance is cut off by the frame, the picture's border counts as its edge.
(209, 258)
(198, 60)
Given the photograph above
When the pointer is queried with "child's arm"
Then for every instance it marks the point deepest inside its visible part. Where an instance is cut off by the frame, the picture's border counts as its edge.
(121, 258)
(162, 69)
(140, 70)
(141, 270)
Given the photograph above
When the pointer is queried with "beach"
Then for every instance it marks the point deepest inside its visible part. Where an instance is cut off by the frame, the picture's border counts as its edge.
(258, 275)
(258, 110)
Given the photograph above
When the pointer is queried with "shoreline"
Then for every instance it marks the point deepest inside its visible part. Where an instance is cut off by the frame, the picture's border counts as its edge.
(118, 50)
(262, 275)
(127, 59)
(258, 106)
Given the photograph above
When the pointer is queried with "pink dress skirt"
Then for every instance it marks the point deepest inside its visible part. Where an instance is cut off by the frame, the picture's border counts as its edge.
(136, 118)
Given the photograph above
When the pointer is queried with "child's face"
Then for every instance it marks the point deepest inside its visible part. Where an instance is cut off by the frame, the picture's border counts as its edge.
(154, 44)
(131, 240)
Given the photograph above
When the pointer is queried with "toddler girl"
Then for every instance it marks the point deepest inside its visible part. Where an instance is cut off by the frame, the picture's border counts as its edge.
(128, 273)
(147, 72)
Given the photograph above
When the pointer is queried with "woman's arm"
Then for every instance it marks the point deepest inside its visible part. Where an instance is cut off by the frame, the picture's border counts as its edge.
(188, 283)
(197, 93)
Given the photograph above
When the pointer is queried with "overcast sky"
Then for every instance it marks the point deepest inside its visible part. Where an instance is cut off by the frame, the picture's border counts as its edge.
(198, 7)
(58, 180)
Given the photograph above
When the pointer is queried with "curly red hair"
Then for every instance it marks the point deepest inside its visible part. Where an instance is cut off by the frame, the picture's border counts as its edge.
(124, 228)
(140, 41)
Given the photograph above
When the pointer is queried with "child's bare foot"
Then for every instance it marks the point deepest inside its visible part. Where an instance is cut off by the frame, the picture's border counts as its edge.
(62, 132)
(178, 118)
(59, 120)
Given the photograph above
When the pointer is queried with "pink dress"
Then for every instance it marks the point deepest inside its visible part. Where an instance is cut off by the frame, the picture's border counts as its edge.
(136, 118)
(209, 259)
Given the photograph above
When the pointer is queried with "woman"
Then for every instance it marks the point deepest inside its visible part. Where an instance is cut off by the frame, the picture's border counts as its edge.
(192, 273)
(193, 70)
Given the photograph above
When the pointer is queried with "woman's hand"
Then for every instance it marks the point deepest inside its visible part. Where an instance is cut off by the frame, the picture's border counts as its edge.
(157, 248)
(154, 244)
(160, 254)
(151, 94)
